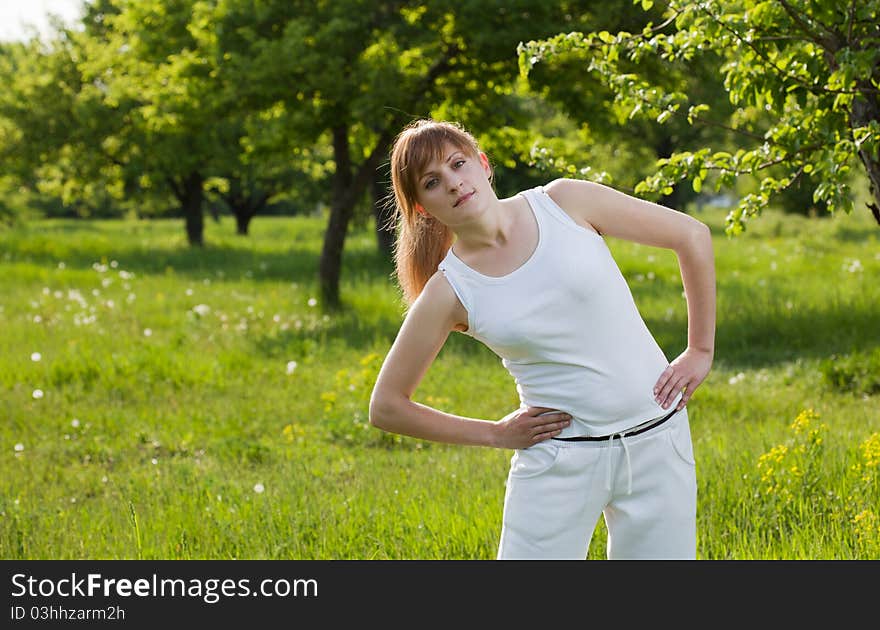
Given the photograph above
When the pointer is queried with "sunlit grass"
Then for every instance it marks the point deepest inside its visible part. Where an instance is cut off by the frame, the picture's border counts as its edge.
(199, 403)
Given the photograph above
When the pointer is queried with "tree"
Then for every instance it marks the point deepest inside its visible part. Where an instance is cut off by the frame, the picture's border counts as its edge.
(803, 76)
(357, 71)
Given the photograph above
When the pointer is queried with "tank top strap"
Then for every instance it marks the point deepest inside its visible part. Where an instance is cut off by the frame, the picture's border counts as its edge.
(549, 207)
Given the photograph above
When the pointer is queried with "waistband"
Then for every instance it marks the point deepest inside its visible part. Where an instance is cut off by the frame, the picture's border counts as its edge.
(636, 430)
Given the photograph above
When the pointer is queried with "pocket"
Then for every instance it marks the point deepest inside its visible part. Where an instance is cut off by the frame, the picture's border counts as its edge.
(680, 438)
(534, 460)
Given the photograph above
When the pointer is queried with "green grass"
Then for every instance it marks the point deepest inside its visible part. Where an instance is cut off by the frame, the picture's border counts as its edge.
(157, 423)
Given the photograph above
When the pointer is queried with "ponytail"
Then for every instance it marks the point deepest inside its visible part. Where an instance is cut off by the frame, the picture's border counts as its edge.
(422, 243)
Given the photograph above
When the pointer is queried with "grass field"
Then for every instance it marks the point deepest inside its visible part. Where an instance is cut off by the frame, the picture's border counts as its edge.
(160, 402)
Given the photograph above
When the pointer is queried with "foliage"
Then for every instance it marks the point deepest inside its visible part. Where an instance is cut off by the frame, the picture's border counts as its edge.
(858, 372)
(792, 485)
(803, 77)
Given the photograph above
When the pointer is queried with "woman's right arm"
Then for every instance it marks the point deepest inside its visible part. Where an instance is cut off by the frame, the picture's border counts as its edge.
(428, 323)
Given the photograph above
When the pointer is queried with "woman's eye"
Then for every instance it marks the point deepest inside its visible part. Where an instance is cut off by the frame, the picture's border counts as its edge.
(430, 183)
(458, 163)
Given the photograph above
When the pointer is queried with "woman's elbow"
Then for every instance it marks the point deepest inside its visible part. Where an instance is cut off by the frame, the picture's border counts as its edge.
(699, 236)
(380, 411)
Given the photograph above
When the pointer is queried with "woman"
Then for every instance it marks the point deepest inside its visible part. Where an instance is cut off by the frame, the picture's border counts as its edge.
(603, 427)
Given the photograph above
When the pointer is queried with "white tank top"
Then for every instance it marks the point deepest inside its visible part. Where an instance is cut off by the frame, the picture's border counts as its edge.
(566, 327)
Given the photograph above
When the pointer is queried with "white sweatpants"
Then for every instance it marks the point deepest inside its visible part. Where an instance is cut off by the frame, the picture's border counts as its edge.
(645, 486)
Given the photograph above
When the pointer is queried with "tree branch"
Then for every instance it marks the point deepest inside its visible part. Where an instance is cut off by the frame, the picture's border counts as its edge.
(815, 89)
(830, 44)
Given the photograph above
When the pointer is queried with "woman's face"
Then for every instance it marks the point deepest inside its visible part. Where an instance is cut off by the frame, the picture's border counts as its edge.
(455, 188)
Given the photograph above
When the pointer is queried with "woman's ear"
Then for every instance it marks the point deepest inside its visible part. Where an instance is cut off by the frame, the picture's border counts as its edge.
(486, 166)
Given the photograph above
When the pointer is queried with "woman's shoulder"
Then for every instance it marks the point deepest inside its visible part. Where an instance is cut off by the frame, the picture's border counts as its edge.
(570, 196)
(439, 296)
(566, 190)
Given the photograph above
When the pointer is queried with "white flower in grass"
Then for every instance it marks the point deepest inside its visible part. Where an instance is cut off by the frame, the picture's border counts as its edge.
(259, 488)
(38, 393)
(37, 319)
(313, 302)
(189, 291)
(736, 379)
(74, 423)
(126, 275)
(201, 309)
(147, 332)
(61, 265)
(19, 447)
(114, 264)
(36, 356)
(291, 366)
(854, 266)
(154, 461)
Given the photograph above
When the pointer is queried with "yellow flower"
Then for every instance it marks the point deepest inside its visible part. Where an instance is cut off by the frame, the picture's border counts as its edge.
(293, 432)
(867, 526)
(803, 420)
(775, 454)
(871, 451)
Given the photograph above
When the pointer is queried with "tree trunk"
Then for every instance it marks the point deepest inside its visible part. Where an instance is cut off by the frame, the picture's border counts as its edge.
(244, 209)
(348, 187)
(865, 109)
(191, 197)
(242, 222)
(330, 266)
(384, 214)
(244, 205)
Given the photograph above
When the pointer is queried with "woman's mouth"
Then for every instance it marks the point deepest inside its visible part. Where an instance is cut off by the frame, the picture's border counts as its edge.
(463, 199)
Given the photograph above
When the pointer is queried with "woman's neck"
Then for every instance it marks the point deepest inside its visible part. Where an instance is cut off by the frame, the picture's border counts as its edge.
(490, 230)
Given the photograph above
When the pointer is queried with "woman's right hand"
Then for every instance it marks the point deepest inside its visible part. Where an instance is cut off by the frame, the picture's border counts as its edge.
(527, 426)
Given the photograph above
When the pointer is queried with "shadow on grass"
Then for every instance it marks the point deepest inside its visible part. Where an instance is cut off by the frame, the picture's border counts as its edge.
(297, 264)
(747, 342)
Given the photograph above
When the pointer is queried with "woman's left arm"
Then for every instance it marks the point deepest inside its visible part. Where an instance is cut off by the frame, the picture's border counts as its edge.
(616, 214)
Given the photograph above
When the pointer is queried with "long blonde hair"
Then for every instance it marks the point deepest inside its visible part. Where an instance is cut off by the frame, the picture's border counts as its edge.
(422, 240)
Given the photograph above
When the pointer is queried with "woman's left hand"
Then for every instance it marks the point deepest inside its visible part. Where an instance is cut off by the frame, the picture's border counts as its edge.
(684, 375)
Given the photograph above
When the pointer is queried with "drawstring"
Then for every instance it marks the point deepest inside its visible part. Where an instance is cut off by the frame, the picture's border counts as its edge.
(629, 472)
(608, 449)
